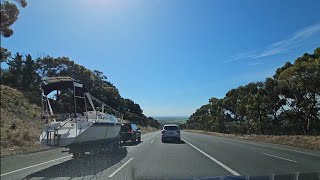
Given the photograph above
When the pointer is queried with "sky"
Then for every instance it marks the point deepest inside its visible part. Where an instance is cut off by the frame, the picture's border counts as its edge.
(171, 56)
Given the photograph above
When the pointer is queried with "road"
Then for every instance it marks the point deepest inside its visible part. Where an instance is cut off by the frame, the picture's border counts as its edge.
(198, 155)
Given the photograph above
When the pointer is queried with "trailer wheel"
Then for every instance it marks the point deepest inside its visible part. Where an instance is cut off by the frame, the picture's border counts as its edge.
(76, 155)
(115, 147)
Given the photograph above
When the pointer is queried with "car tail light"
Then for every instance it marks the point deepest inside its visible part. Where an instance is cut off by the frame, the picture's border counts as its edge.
(130, 131)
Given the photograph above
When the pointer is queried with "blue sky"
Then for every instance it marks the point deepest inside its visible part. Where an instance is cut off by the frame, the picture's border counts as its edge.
(171, 56)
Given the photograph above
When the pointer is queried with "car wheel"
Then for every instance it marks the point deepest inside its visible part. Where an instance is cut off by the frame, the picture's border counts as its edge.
(139, 139)
(133, 140)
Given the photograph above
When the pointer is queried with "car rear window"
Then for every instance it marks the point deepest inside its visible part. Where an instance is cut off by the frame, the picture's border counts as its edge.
(170, 128)
(134, 127)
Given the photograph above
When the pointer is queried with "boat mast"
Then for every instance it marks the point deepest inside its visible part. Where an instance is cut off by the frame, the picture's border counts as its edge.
(74, 98)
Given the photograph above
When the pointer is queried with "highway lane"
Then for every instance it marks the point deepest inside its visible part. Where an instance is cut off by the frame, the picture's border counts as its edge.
(255, 158)
(198, 156)
(58, 163)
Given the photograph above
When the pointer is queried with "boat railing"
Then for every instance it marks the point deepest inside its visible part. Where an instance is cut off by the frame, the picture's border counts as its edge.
(68, 120)
(52, 134)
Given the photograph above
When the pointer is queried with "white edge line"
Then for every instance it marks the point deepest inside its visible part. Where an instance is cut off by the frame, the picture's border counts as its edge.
(278, 157)
(152, 141)
(119, 168)
(213, 159)
(34, 165)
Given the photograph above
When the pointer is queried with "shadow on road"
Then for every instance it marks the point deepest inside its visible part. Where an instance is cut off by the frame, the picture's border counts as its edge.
(174, 142)
(82, 166)
(128, 143)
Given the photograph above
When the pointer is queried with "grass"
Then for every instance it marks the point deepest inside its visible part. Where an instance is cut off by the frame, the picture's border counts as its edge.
(20, 122)
(306, 142)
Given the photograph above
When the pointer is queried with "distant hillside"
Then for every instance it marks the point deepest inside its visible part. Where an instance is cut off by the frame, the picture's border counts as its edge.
(20, 122)
(171, 119)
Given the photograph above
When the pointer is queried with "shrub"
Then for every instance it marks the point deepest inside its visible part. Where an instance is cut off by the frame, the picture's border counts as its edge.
(13, 126)
(26, 136)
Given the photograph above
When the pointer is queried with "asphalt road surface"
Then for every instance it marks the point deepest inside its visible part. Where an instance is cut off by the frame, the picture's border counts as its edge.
(197, 156)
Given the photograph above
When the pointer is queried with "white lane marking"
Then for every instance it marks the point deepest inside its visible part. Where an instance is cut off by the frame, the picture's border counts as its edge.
(152, 141)
(35, 165)
(213, 159)
(119, 168)
(279, 157)
(258, 144)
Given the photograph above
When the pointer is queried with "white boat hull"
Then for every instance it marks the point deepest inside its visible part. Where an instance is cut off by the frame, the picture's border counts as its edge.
(84, 132)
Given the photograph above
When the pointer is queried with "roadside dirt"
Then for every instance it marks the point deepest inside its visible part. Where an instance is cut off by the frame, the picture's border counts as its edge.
(147, 129)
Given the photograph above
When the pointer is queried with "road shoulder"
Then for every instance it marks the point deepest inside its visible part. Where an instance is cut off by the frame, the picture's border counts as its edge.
(304, 142)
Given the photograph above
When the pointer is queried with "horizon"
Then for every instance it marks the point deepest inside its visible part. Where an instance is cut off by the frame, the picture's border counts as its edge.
(170, 57)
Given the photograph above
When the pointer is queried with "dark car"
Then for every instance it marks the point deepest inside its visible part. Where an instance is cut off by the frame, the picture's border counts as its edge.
(130, 132)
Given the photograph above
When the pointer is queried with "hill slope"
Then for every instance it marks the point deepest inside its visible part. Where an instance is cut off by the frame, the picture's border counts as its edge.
(20, 122)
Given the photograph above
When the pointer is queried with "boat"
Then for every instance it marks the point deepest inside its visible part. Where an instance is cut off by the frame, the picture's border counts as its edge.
(81, 127)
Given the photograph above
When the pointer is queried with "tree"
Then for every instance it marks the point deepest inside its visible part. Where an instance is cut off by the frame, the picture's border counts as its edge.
(95, 81)
(14, 74)
(5, 54)
(9, 15)
(301, 88)
(30, 79)
(231, 102)
(218, 113)
(288, 103)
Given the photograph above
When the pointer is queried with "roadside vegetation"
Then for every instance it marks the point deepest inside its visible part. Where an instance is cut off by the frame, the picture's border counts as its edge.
(147, 129)
(20, 122)
(286, 104)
